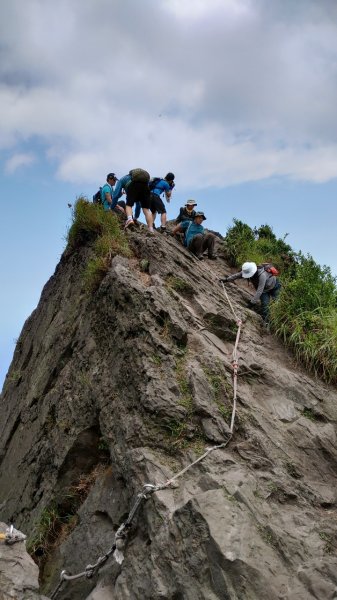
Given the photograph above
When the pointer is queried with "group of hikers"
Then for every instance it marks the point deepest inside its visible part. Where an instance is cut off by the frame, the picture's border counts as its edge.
(144, 193)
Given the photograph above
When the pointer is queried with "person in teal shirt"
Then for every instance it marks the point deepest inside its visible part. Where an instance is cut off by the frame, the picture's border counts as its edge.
(107, 191)
(195, 238)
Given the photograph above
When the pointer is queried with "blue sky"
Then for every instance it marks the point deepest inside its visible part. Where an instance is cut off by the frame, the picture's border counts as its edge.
(237, 98)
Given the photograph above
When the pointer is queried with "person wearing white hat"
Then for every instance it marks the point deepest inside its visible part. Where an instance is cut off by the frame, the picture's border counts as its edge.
(187, 212)
(266, 284)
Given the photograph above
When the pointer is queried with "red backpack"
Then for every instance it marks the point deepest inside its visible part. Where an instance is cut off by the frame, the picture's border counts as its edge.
(270, 268)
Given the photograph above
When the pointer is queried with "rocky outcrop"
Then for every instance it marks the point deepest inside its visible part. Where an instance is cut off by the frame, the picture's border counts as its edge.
(126, 386)
(18, 572)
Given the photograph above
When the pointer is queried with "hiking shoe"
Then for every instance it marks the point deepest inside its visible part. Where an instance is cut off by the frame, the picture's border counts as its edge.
(162, 229)
(212, 257)
(200, 257)
(129, 224)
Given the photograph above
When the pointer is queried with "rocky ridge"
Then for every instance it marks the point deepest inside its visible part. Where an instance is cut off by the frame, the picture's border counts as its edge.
(111, 390)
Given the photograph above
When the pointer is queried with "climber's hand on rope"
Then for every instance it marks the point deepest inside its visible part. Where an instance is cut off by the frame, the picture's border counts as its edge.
(222, 280)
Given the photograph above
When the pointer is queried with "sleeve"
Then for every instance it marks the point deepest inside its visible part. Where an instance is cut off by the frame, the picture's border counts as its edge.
(235, 276)
(260, 288)
(184, 225)
(167, 189)
(118, 189)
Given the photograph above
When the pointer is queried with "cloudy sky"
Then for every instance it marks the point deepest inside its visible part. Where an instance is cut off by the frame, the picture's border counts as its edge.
(236, 97)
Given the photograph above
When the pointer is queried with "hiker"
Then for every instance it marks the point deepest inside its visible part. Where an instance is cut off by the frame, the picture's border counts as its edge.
(158, 187)
(107, 191)
(136, 186)
(196, 240)
(264, 281)
(187, 212)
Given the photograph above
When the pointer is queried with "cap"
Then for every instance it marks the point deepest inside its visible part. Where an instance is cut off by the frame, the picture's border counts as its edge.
(200, 214)
(169, 176)
(248, 269)
(111, 176)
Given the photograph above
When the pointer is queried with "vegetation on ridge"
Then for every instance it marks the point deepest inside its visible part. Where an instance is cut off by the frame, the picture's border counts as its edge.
(305, 315)
(92, 224)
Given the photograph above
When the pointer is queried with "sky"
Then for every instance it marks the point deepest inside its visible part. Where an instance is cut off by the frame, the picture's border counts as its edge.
(236, 97)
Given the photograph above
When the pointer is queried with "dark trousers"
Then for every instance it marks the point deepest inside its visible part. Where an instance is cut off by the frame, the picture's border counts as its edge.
(266, 297)
(137, 191)
(202, 242)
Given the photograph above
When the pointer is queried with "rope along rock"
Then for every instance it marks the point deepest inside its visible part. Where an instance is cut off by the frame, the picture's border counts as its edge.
(149, 489)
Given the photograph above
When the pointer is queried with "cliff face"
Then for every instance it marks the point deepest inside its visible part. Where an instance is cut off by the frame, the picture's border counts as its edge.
(128, 385)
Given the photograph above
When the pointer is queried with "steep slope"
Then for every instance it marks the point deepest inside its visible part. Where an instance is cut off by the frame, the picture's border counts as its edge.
(128, 385)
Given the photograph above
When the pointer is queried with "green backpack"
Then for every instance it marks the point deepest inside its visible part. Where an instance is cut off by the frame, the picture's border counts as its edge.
(139, 175)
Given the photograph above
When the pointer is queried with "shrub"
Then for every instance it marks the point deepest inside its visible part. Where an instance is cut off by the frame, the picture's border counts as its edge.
(305, 315)
(91, 224)
(259, 245)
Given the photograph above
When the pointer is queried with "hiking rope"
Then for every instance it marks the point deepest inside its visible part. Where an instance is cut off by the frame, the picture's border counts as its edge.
(235, 363)
(149, 489)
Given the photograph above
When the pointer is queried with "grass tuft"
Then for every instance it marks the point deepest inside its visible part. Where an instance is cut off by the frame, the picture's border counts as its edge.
(91, 224)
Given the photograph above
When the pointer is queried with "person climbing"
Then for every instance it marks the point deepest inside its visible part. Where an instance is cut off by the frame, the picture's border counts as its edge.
(158, 187)
(136, 191)
(187, 212)
(107, 191)
(266, 284)
(196, 240)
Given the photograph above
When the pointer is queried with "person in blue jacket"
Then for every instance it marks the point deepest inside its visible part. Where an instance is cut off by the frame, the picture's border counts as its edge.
(196, 240)
(162, 186)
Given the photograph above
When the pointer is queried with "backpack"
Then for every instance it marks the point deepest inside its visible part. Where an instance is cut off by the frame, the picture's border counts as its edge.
(153, 182)
(269, 268)
(139, 175)
(97, 198)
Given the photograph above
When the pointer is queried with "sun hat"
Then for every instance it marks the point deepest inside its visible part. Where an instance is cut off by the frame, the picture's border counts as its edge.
(200, 214)
(191, 203)
(248, 269)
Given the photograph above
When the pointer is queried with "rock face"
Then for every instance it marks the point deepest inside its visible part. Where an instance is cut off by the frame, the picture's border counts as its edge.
(126, 386)
(18, 572)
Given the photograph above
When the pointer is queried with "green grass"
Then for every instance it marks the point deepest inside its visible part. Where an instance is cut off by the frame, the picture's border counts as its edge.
(180, 285)
(186, 399)
(221, 390)
(305, 315)
(91, 224)
(59, 518)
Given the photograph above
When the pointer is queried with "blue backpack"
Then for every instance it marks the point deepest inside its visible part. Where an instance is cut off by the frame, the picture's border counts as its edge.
(97, 198)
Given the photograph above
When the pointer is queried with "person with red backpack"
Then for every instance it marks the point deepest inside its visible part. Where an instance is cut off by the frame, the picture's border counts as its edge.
(265, 282)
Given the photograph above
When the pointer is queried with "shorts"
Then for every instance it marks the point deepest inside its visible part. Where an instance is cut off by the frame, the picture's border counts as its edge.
(138, 191)
(157, 205)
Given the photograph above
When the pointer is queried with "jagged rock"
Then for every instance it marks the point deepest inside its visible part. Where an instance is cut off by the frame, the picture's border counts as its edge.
(127, 386)
(18, 572)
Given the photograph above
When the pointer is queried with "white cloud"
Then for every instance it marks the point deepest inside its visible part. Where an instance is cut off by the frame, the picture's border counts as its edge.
(19, 160)
(220, 91)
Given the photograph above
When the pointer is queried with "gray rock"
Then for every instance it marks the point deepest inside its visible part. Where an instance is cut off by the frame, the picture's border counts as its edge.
(130, 385)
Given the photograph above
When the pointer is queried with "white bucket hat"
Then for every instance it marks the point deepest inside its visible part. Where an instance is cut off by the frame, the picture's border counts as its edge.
(248, 269)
